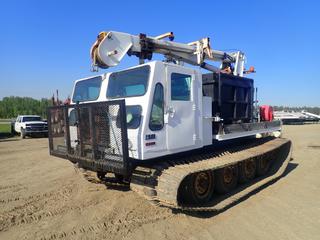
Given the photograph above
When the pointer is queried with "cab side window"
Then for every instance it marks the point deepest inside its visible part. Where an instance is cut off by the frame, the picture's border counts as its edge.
(180, 87)
(157, 110)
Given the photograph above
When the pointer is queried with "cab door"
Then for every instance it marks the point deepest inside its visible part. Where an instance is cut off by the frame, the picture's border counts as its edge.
(17, 124)
(180, 109)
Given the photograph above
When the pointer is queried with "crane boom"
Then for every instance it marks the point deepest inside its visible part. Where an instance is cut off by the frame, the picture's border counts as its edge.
(111, 47)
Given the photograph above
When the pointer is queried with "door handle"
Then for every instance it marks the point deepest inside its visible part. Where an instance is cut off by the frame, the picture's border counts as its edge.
(171, 111)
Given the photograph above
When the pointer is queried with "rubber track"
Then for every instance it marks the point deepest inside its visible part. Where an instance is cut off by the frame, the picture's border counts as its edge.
(160, 183)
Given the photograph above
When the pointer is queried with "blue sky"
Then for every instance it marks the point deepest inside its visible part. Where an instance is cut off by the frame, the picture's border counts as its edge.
(44, 45)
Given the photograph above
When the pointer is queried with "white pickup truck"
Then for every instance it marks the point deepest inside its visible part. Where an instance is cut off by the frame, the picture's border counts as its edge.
(30, 125)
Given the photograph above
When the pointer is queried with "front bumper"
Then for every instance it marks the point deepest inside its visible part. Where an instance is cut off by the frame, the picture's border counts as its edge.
(36, 131)
(32, 129)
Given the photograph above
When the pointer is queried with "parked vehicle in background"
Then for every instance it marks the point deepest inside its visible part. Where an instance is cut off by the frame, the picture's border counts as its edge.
(31, 125)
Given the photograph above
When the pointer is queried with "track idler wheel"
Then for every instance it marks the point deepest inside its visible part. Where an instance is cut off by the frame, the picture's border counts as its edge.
(247, 170)
(226, 178)
(197, 188)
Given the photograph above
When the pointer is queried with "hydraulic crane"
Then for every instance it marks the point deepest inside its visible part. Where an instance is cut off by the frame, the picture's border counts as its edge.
(111, 47)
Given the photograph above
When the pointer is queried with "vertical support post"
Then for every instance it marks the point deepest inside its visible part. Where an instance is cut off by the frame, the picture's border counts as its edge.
(80, 143)
(235, 103)
(219, 93)
(248, 104)
(50, 129)
(141, 61)
(93, 132)
(124, 136)
(256, 107)
(67, 130)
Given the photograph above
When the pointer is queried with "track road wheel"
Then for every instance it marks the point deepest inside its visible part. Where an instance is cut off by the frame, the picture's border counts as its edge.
(119, 178)
(226, 178)
(101, 175)
(247, 170)
(263, 165)
(197, 188)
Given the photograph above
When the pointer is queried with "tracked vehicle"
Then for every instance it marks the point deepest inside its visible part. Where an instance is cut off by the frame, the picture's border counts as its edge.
(181, 138)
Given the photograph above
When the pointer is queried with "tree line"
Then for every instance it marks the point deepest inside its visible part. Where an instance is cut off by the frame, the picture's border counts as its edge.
(11, 107)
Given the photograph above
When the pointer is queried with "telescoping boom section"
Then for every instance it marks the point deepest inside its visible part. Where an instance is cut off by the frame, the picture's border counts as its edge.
(179, 137)
(111, 47)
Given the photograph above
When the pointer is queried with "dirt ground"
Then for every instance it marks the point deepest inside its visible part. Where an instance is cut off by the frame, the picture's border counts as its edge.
(43, 197)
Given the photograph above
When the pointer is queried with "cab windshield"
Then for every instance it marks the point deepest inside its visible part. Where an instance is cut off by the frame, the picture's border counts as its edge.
(31, 119)
(87, 90)
(128, 83)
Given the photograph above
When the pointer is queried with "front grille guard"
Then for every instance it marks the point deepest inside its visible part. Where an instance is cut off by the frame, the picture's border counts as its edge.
(93, 135)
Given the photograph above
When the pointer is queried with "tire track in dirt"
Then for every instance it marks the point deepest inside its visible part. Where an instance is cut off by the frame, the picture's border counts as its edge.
(31, 209)
(22, 149)
(6, 188)
(29, 218)
(38, 197)
(116, 224)
(117, 227)
(9, 189)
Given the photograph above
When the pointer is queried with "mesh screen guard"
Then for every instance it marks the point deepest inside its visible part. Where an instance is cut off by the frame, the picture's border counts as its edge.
(94, 135)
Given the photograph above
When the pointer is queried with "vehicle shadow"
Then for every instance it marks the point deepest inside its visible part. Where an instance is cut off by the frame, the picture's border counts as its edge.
(113, 184)
(6, 137)
(209, 214)
(110, 183)
(10, 138)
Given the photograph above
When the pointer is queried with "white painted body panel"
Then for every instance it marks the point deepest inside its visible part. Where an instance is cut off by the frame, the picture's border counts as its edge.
(182, 128)
(207, 121)
(187, 124)
(173, 137)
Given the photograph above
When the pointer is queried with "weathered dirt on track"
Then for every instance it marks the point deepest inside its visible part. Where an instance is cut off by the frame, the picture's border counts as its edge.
(43, 197)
